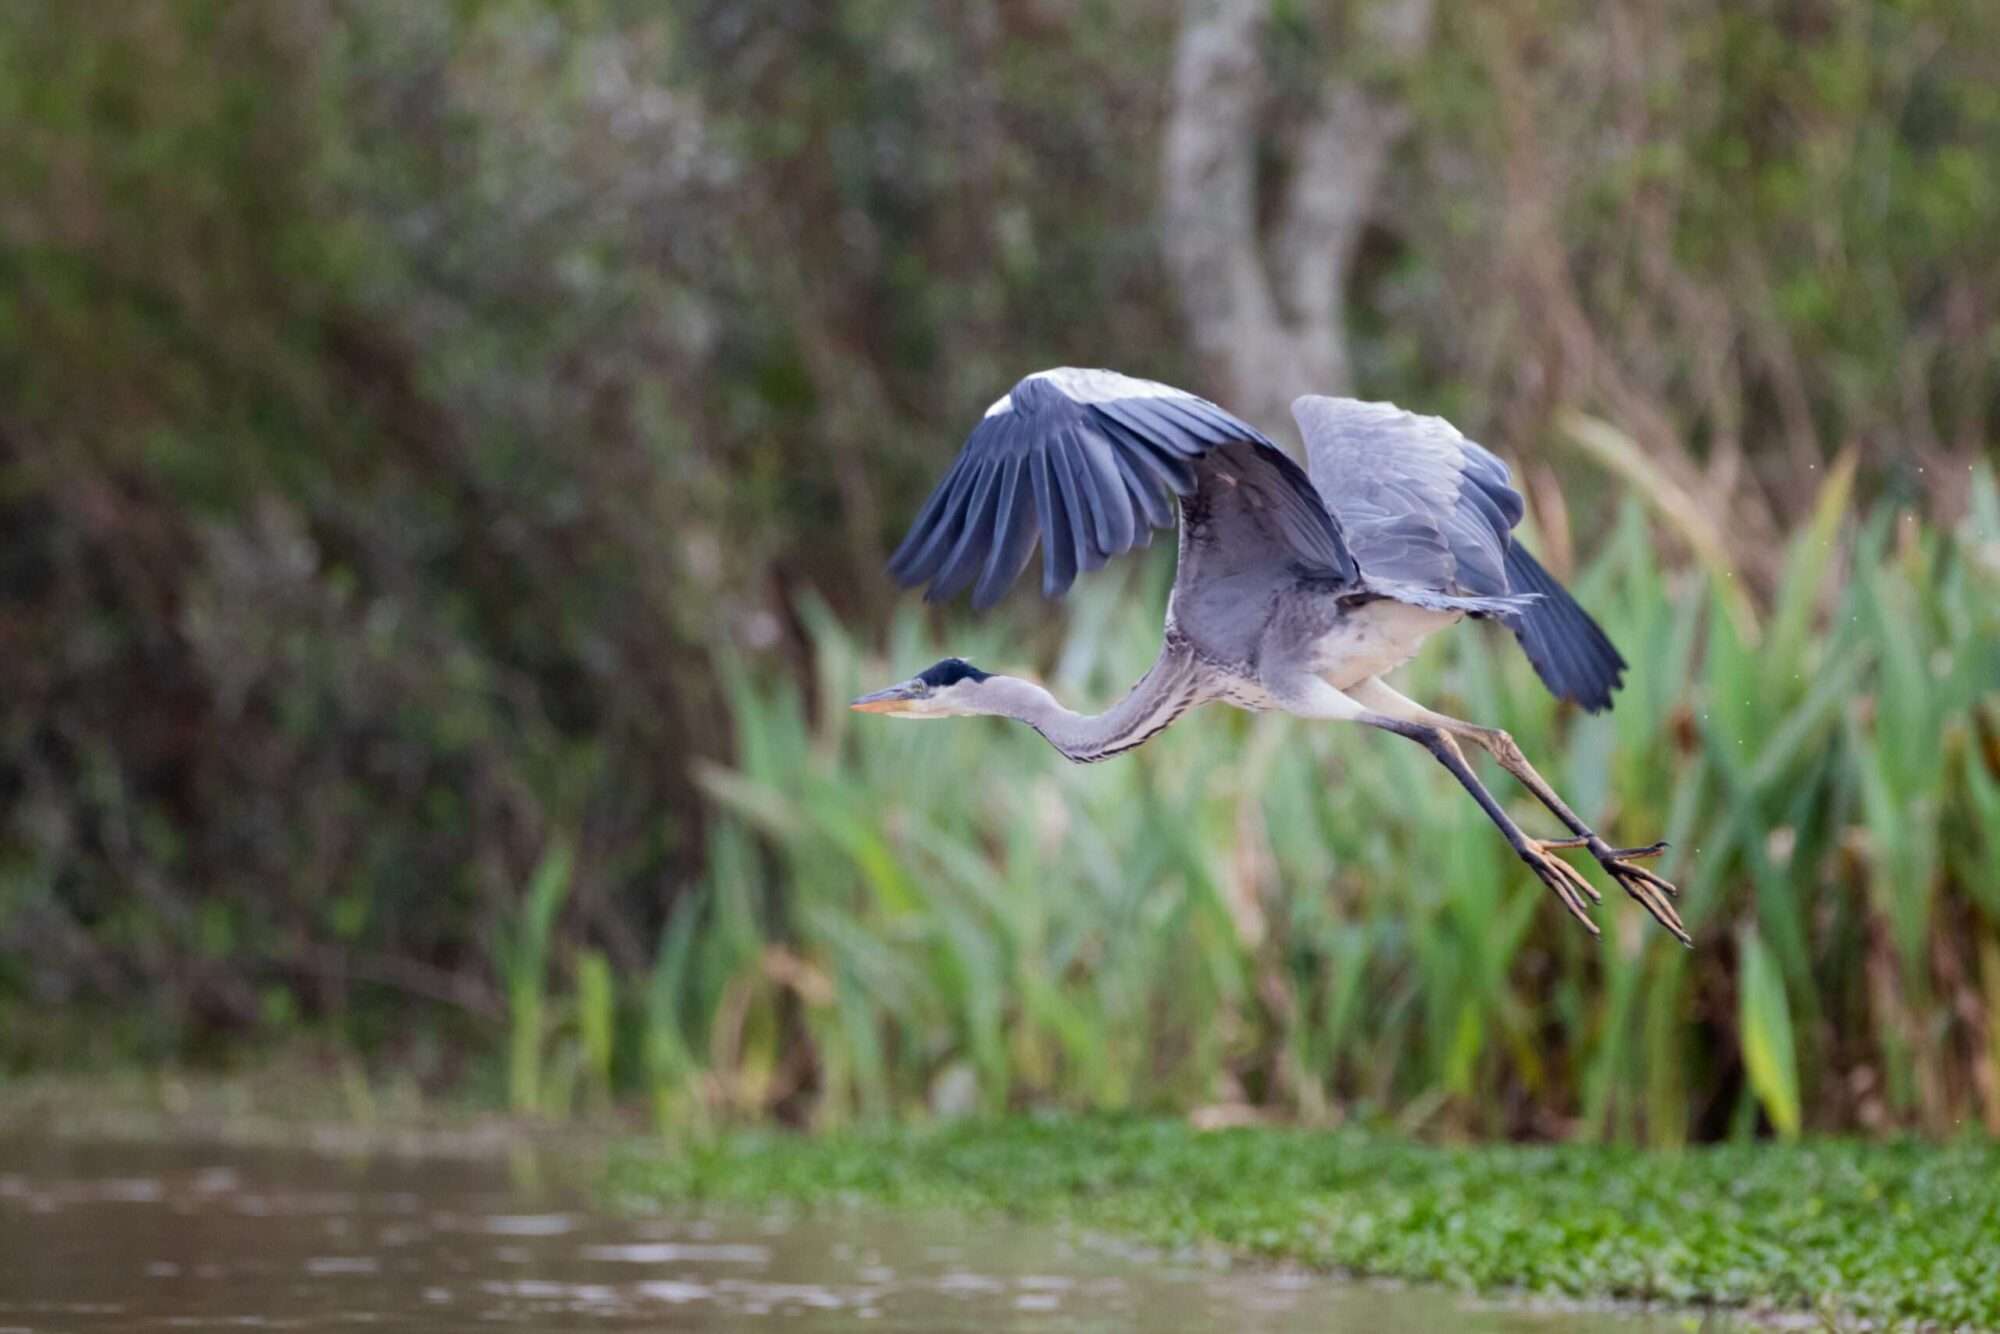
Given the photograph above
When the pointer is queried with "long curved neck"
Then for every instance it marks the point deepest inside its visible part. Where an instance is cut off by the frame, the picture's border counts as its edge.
(1163, 694)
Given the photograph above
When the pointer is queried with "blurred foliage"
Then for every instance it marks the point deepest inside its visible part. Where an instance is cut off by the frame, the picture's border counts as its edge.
(1256, 914)
(427, 427)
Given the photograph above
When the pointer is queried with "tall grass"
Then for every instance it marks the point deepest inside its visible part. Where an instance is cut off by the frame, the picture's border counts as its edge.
(522, 953)
(1257, 913)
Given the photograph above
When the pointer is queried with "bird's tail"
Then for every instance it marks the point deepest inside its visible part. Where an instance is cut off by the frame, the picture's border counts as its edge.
(1569, 650)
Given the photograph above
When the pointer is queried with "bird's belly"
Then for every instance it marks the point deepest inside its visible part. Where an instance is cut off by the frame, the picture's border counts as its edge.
(1374, 638)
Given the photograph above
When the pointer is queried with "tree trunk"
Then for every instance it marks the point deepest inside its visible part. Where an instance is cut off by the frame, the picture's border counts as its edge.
(1265, 308)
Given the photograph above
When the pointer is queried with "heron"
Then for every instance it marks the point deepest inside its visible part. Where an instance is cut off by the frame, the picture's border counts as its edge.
(1297, 589)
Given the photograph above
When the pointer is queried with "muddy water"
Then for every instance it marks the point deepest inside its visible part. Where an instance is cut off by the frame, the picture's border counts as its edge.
(140, 1237)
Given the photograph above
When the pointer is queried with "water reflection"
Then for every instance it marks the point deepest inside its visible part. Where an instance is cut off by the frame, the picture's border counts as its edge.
(98, 1237)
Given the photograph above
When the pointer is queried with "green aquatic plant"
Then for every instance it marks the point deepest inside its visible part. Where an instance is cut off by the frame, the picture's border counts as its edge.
(1895, 1233)
(1255, 913)
(522, 954)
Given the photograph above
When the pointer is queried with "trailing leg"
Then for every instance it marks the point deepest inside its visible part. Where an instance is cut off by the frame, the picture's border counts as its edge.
(1652, 891)
(1569, 886)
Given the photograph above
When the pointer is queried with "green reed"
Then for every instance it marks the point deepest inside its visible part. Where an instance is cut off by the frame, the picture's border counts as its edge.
(1259, 913)
(522, 955)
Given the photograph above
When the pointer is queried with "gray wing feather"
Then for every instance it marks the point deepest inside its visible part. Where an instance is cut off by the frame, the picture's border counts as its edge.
(1420, 504)
(1428, 512)
(1085, 464)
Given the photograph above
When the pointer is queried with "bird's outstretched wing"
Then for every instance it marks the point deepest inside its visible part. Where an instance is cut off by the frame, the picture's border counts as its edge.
(1088, 461)
(1420, 503)
(1422, 506)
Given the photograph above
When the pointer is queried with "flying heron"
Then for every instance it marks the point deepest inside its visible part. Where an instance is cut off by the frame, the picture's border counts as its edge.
(1297, 590)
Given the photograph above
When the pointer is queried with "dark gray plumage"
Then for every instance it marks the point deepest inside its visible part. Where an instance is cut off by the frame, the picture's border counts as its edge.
(1091, 477)
(1294, 591)
(1570, 652)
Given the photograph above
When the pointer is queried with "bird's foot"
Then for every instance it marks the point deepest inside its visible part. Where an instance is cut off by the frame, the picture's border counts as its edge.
(1654, 893)
(1567, 882)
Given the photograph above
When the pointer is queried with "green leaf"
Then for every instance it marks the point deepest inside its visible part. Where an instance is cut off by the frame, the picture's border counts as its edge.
(1765, 1020)
(596, 1016)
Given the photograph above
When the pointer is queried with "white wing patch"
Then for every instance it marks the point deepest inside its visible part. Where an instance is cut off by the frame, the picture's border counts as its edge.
(1004, 403)
(1094, 386)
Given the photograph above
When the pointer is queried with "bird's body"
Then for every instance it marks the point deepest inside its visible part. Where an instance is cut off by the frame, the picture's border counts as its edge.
(1295, 591)
(1375, 639)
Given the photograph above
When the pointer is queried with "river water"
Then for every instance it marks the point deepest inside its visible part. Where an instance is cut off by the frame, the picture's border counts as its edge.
(123, 1236)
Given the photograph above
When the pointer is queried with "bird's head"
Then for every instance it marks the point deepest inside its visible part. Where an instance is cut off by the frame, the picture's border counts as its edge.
(948, 689)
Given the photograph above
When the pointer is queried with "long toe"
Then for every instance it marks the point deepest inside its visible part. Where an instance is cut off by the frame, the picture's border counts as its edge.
(1569, 886)
(1653, 893)
(1650, 850)
(1569, 874)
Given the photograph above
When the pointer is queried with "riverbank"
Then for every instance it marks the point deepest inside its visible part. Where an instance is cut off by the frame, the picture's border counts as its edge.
(294, 1100)
(1903, 1234)
(163, 1233)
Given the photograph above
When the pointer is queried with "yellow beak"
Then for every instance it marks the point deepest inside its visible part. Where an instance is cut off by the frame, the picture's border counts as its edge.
(899, 698)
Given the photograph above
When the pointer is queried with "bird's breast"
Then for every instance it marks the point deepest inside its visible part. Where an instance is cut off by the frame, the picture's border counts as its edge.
(1372, 639)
